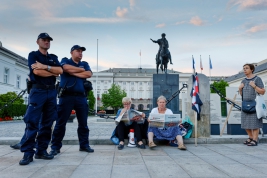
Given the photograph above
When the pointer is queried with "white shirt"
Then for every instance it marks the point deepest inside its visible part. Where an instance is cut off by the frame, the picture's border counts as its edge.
(156, 111)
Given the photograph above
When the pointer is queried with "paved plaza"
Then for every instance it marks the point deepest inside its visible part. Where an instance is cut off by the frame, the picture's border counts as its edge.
(205, 160)
(209, 160)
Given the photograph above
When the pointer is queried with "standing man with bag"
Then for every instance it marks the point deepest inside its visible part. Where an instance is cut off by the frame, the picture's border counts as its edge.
(248, 88)
(44, 68)
(72, 95)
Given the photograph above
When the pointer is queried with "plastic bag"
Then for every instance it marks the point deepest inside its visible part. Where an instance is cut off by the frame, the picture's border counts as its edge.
(187, 120)
(114, 139)
(260, 107)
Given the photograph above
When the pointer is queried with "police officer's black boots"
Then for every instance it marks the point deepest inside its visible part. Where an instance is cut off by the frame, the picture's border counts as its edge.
(16, 146)
(26, 160)
(54, 152)
(43, 155)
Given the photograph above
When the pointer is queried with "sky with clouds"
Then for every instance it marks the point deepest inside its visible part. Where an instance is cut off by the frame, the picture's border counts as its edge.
(232, 32)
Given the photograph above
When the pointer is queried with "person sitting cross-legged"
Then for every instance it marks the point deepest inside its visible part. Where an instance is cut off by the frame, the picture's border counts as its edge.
(164, 134)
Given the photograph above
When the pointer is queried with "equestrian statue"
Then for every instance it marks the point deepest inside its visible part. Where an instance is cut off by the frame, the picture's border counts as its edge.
(163, 56)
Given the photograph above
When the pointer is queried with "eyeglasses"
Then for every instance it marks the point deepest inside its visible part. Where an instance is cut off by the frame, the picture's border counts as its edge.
(126, 103)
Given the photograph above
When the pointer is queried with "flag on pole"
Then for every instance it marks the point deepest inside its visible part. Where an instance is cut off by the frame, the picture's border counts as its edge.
(210, 64)
(201, 66)
(140, 53)
(196, 102)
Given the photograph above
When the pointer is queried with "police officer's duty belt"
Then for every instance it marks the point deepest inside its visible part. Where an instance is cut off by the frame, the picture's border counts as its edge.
(68, 93)
(45, 87)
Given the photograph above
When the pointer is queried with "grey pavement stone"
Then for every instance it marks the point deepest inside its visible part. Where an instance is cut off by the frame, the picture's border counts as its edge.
(239, 170)
(159, 160)
(169, 170)
(217, 160)
(58, 171)
(92, 171)
(128, 160)
(245, 158)
(259, 167)
(108, 161)
(203, 170)
(187, 160)
(99, 160)
(129, 171)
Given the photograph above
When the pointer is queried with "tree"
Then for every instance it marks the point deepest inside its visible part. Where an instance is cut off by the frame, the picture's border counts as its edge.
(4, 98)
(113, 97)
(91, 99)
(221, 87)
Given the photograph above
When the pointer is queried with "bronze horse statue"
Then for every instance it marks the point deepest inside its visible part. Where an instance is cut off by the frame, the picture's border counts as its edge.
(163, 56)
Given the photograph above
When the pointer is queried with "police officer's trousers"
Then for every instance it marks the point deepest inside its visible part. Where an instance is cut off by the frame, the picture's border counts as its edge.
(42, 101)
(65, 106)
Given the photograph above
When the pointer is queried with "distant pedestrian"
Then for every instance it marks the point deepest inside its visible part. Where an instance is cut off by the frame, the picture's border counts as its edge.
(247, 89)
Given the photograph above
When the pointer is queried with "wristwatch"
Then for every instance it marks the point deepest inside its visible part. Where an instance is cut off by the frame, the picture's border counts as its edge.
(48, 67)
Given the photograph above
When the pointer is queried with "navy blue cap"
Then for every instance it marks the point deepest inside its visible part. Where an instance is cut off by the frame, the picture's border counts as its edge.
(44, 35)
(77, 47)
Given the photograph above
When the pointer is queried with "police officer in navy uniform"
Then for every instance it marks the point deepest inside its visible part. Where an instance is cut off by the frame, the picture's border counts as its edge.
(75, 73)
(44, 68)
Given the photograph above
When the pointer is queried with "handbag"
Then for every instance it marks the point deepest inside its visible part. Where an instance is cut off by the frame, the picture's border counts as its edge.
(249, 107)
(260, 107)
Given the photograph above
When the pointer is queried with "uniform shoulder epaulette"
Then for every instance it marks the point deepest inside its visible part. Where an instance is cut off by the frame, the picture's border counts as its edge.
(84, 62)
(53, 55)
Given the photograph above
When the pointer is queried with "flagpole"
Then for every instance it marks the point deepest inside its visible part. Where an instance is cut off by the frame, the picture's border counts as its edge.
(210, 68)
(194, 70)
(140, 58)
(201, 64)
(96, 74)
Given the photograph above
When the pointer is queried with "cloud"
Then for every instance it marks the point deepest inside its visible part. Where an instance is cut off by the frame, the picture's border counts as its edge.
(121, 12)
(161, 25)
(257, 28)
(18, 48)
(196, 21)
(248, 4)
(179, 23)
(132, 3)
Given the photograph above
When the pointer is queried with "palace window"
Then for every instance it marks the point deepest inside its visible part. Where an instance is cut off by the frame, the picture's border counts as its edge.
(6, 75)
(18, 81)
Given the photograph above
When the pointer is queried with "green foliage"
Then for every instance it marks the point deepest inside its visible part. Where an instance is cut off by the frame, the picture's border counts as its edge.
(221, 86)
(91, 99)
(12, 110)
(114, 97)
(4, 98)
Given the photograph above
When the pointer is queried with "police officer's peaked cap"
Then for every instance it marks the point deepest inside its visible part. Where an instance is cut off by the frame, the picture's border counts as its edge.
(44, 36)
(163, 34)
(77, 47)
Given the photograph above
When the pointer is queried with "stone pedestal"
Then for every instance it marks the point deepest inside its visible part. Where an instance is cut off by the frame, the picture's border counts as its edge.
(203, 125)
(166, 85)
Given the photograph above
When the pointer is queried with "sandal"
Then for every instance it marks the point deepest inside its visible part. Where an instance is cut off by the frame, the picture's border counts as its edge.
(182, 147)
(253, 143)
(152, 145)
(248, 141)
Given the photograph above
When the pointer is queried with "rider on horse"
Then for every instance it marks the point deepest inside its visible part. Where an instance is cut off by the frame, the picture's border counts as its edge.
(163, 48)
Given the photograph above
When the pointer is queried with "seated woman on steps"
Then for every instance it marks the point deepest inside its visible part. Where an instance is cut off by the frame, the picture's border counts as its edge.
(164, 134)
(124, 127)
